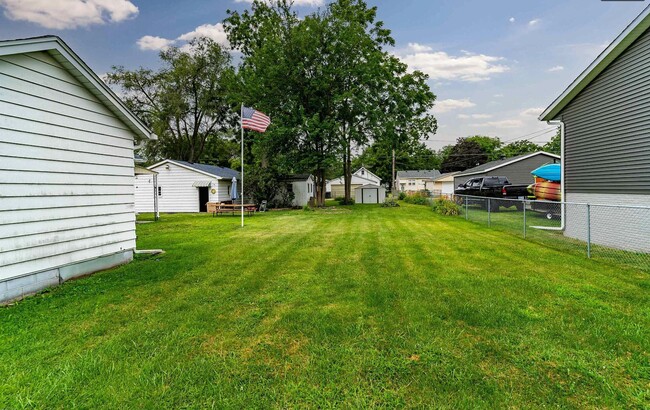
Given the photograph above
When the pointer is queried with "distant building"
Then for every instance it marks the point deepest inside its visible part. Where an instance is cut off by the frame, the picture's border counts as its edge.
(185, 186)
(302, 186)
(516, 169)
(443, 184)
(605, 128)
(360, 177)
(414, 181)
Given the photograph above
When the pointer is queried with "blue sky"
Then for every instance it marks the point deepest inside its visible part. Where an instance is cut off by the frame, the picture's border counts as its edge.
(494, 65)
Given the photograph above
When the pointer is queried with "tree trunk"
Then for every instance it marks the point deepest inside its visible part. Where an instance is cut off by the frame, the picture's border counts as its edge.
(321, 186)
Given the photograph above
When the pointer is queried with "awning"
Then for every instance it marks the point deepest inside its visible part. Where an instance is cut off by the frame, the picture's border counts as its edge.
(201, 184)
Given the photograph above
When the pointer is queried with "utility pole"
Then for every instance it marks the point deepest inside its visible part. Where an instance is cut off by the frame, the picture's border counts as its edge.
(392, 187)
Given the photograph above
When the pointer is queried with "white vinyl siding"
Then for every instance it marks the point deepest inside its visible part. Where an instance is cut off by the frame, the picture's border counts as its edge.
(144, 193)
(178, 192)
(66, 170)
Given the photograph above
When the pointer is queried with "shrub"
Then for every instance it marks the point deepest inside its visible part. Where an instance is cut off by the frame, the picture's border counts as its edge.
(446, 207)
(390, 203)
(418, 198)
(402, 196)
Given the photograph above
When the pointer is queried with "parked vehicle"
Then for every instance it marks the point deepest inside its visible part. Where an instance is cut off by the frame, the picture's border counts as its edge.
(493, 187)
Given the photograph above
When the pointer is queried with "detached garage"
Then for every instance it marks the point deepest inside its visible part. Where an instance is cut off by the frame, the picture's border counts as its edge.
(370, 194)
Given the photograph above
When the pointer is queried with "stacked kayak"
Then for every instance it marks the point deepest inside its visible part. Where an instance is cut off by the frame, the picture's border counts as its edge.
(547, 184)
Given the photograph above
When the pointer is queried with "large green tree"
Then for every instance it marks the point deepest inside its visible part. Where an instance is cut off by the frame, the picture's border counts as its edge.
(466, 153)
(554, 146)
(185, 102)
(518, 148)
(326, 80)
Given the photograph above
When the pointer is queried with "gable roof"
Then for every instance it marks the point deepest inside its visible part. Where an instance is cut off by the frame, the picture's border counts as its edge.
(430, 174)
(500, 163)
(358, 171)
(62, 53)
(633, 31)
(209, 170)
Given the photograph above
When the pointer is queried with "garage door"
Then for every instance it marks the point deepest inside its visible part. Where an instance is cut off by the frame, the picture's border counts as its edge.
(370, 196)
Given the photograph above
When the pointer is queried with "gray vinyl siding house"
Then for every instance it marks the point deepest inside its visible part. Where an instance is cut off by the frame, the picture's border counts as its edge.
(66, 168)
(516, 169)
(605, 120)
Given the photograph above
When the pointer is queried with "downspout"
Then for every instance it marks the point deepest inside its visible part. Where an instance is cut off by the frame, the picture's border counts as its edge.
(562, 169)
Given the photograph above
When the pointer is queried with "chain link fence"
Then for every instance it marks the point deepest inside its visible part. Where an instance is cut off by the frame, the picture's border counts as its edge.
(613, 233)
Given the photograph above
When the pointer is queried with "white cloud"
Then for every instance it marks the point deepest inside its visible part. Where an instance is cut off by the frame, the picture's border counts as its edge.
(215, 32)
(534, 22)
(498, 95)
(474, 116)
(154, 43)
(500, 124)
(451, 104)
(532, 112)
(511, 19)
(556, 68)
(69, 14)
(442, 66)
(312, 3)
(418, 48)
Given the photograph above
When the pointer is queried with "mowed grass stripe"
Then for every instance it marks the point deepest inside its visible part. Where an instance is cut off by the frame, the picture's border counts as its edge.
(348, 307)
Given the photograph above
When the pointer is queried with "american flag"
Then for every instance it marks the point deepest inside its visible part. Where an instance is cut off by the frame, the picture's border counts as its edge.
(254, 120)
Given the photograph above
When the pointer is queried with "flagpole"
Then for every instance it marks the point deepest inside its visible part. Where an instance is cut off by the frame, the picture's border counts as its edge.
(241, 124)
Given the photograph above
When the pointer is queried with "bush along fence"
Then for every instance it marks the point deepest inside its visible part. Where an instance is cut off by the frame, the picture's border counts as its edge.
(616, 233)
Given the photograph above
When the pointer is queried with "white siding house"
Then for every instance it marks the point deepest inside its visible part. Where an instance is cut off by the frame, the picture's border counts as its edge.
(66, 168)
(185, 186)
(360, 177)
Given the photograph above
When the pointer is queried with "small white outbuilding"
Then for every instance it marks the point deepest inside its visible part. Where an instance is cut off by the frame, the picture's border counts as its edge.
(370, 194)
(66, 168)
(302, 186)
(184, 186)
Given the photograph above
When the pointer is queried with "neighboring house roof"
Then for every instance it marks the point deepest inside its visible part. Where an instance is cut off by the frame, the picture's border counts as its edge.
(143, 171)
(295, 177)
(635, 29)
(210, 170)
(421, 174)
(61, 52)
(358, 173)
(490, 166)
(448, 175)
(369, 186)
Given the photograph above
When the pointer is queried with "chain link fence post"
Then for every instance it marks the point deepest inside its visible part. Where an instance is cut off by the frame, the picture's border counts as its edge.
(489, 204)
(588, 231)
(523, 201)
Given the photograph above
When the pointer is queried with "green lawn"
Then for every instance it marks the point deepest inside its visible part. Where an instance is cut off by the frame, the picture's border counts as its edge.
(347, 307)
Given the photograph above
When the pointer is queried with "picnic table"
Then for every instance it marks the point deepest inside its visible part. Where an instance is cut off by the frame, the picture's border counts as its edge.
(217, 208)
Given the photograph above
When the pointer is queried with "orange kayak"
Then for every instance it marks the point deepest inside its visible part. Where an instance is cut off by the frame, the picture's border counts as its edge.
(547, 190)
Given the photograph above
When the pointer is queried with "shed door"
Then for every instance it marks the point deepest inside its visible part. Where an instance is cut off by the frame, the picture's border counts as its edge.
(370, 196)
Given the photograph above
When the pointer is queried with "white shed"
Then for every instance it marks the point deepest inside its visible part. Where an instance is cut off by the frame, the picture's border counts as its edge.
(66, 168)
(302, 186)
(370, 194)
(185, 186)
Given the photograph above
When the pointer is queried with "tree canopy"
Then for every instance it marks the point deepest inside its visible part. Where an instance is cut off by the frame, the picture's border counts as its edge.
(185, 102)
